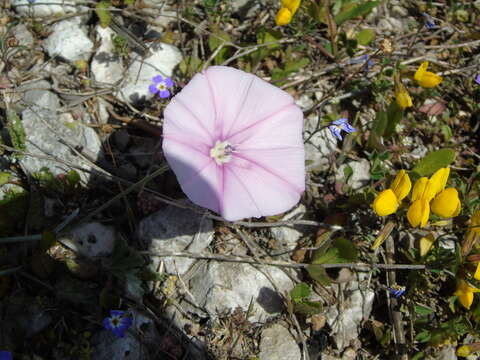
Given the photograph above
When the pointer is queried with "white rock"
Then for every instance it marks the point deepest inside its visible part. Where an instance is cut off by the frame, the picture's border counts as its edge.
(360, 176)
(222, 287)
(107, 67)
(140, 73)
(346, 321)
(176, 229)
(318, 149)
(288, 236)
(166, 17)
(46, 8)
(278, 344)
(69, 41)
(43, 127)
(91, 239)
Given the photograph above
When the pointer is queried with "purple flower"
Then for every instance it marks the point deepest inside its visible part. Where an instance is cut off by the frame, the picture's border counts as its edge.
(477, 79)
(234, 141)
(160, 86)
(362, 59)
(117, 322)
(5, 355)
(429, 22)
(337, 126)
(397, 290)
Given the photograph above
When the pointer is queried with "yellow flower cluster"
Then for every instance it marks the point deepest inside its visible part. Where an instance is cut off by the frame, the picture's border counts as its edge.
(424, 78)
(287, 10)
(428, 194)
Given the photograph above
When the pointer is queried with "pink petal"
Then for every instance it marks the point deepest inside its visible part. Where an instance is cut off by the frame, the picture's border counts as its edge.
(193, 111)
(197, 173)
(242, 99)
(250, 190)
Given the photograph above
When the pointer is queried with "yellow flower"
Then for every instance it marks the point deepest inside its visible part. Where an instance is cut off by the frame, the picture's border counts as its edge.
(284, 16)
(476, 276)
(387, 201)
(465, 293)
(426, 78)
(419, 188)
(418, 213)
(401, 185)
(402, 97)
(463, 351)
(446, 204)
(438, 181)
(286, 12)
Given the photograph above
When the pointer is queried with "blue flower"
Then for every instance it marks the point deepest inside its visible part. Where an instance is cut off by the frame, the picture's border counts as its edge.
(397, 290)
(5, 355)
(117, 322)
(161, 86)
(362, 59)
(477, 79)
(337, 126)
(429, 22)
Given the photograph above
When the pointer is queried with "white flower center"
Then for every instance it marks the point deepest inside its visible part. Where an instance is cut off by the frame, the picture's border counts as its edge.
(222, 152)
(161, 86)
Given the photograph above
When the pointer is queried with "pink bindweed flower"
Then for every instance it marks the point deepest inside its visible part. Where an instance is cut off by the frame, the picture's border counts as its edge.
(235, 143)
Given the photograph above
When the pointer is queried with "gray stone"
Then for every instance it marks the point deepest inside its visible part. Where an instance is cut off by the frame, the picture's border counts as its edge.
(345, 318)
(288, 236)
(69, 41)
(91, 239)
(318, 148)
(278, 344)
(222, 287)
(360, 176)
(23, 36)
(176, 229)
(107, 67)
(44, 128)
(139, 75)
(45, 9)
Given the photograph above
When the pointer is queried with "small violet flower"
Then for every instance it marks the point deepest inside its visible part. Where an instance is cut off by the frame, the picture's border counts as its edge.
(429, 22)
(477, 79)
(362, 59)
(117, 322)
(397, 290)
(5, 355)
(161, 86)
(337, 126)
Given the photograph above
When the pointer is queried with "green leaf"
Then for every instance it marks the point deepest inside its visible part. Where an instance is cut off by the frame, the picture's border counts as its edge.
(216, 40)
(423, 310)
(308, 308)
(4, 177)
(434, 161)
(319, 274)
(342, 251)
(190, 65)
(423, 336)
(16, 131)
(355, 11)
(299, 292)
(73, 178)
(365, 37)
(394, 116)
(103, 13)
(124, 258)
(378, 128)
